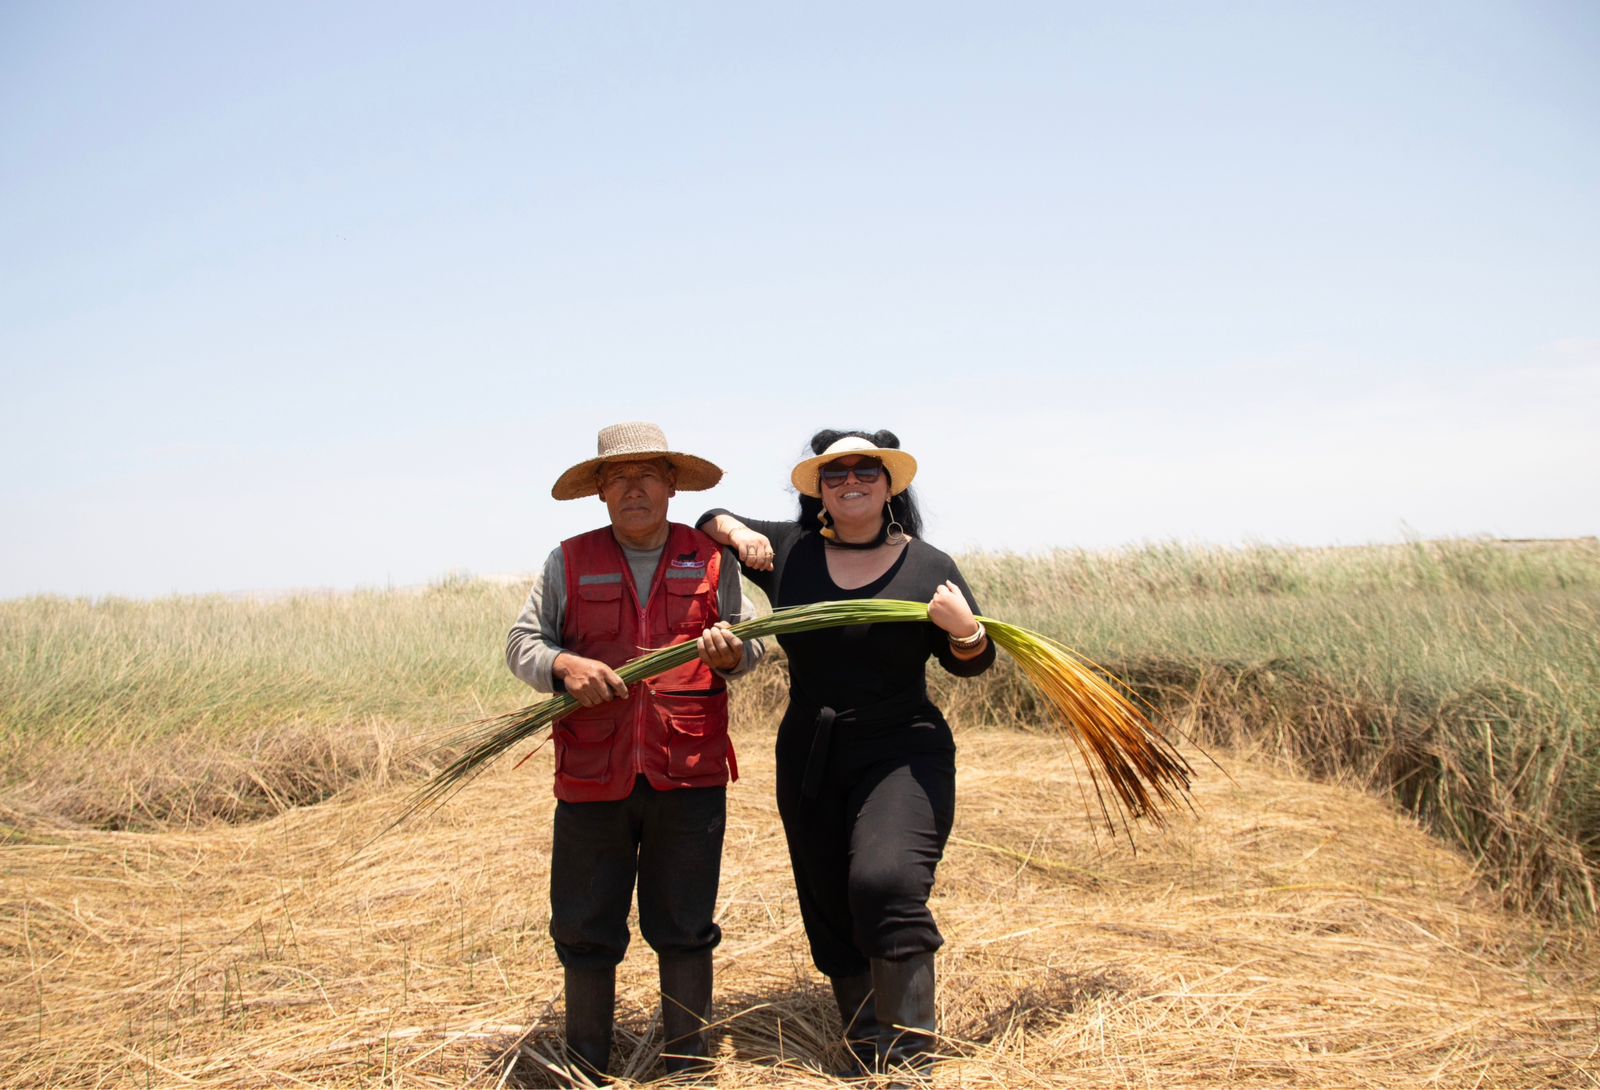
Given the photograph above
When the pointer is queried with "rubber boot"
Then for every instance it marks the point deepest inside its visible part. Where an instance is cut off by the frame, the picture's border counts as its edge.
(685, 1011)
(858, 1017)
(591, 999)
(906, 1016)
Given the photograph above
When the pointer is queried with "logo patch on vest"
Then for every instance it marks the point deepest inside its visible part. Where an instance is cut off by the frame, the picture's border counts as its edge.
(687, 560)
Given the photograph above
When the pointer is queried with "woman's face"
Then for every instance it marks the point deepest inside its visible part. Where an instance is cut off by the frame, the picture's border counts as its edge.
(852, 499)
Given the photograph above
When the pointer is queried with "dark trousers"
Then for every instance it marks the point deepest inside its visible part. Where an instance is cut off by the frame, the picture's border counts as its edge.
(864, 852)
(670, 840)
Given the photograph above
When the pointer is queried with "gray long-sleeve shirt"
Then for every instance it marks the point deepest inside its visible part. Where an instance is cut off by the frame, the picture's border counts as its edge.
(535, 640)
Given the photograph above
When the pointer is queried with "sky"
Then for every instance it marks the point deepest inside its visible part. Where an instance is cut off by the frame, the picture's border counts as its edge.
(327, 295)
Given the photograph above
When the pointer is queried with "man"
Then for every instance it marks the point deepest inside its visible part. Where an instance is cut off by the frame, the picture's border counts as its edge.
(641, 770)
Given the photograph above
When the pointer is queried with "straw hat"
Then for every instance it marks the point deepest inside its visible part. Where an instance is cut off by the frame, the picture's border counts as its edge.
(901, 466)
(634, 442)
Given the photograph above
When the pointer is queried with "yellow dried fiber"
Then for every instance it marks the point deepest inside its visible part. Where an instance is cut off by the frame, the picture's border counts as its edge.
(1120, 746)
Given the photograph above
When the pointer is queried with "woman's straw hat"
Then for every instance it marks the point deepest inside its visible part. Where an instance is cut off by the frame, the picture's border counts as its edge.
(634, 442)
(901, 466)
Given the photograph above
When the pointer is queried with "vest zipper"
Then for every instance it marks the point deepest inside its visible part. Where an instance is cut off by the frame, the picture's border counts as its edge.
(638, 697)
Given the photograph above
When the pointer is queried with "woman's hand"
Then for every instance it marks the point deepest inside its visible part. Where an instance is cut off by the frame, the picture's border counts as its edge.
(753, 550)
(949, 610)
(719, 648)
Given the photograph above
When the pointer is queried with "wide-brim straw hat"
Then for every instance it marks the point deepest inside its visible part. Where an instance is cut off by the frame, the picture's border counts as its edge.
(634, 442)
(807, 476)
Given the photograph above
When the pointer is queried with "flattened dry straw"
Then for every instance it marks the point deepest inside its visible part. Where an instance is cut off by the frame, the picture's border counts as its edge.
(1120, 746)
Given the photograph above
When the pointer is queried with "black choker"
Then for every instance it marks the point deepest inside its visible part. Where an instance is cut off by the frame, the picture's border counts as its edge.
(838, 542)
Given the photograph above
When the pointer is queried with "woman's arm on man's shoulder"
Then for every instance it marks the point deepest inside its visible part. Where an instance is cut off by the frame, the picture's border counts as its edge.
(753, 541)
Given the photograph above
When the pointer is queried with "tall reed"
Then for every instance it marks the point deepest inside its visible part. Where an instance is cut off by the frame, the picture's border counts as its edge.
(1121, 748)
(1460, 679)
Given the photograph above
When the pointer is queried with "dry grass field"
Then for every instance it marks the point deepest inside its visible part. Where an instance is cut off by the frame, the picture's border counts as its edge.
(1287, 934)
(1390, 882)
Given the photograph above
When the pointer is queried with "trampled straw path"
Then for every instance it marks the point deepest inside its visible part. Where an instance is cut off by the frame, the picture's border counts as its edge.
(1121, 748)
(1294, 934)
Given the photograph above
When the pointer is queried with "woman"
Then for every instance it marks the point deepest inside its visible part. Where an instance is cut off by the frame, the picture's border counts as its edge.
(866, 763)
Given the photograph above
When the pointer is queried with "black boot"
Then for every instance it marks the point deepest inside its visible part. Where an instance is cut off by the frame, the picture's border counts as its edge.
(906, 1014)
(591, 999)
(858, 1016)
(685, 1011)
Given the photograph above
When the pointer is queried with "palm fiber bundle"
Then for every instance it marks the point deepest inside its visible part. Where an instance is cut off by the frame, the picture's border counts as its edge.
(1120, 746)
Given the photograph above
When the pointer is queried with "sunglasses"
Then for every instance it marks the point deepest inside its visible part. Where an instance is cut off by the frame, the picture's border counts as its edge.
(866, 471)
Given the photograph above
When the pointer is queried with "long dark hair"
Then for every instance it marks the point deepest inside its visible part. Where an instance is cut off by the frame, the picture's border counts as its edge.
(903, 507)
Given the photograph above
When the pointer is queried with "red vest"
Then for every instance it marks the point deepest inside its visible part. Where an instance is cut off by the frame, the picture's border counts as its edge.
(673, 728)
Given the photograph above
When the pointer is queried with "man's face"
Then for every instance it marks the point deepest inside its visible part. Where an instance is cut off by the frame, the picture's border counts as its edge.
(636, 494)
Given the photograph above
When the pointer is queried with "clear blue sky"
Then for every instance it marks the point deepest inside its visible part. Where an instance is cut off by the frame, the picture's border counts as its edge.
(329, 294)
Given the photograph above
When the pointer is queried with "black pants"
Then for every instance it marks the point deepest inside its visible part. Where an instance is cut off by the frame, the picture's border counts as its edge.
(864, 851)
(670, 840)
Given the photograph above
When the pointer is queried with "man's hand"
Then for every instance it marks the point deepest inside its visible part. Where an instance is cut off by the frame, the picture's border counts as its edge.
(719, 648)
(588, 681)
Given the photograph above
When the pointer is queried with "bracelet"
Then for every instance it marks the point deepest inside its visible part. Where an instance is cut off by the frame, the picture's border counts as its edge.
(967, 643)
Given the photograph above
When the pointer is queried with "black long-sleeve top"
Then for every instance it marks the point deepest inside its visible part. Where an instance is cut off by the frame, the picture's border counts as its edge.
(859, 665)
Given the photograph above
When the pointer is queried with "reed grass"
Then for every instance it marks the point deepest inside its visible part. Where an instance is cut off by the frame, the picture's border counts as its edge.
(1459, 680)
(1122, 750)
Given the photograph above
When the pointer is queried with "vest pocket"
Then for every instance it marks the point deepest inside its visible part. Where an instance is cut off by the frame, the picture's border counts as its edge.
(583, 746)
(686, 604)
(697, 736)
(599, 612)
